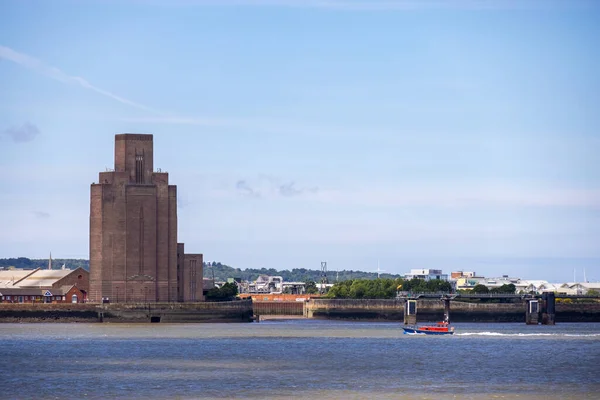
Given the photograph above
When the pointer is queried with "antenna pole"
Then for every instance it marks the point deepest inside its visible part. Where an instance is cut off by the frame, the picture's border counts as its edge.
(323, 276)
(212, 268)
(378, 269)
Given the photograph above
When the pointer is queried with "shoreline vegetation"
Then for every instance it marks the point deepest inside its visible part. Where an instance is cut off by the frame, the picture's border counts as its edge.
(220, 272)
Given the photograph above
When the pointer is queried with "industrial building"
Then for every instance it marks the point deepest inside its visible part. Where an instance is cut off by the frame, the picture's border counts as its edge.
(44, 286)
(134, 253)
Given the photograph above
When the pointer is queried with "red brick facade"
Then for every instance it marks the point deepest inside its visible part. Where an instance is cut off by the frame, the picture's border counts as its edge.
(47, 286)
(189, 275)
(133, 228)
(32, 295)
(79, 277)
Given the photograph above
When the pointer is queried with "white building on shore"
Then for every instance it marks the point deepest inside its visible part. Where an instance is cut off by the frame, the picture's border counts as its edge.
(426, 274)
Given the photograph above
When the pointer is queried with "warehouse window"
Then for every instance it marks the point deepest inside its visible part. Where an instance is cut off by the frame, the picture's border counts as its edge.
(139, 168)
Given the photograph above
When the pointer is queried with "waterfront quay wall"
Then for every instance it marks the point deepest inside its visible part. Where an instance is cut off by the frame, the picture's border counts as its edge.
(56, 312)
(433, 310)
(278, 307)
(230, 311)
(577, 312)
(226, 311)
(371, 309)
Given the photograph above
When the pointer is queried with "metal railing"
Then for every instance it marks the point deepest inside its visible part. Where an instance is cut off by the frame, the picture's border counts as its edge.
(408, 294)
(404, 294)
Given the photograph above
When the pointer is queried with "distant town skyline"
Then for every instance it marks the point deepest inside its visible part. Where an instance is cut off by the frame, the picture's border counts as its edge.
(456, 135)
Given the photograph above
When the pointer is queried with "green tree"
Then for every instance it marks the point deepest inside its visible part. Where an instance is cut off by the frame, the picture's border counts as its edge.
(311, 287)
(480, 289)
(438, 285)
(226, 292)
(505, 289)
(383, 288)
(416, 285)
(340, 290)
(358, 289)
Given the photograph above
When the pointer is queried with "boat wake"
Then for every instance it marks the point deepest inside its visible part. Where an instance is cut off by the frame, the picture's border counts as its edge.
(528, 334)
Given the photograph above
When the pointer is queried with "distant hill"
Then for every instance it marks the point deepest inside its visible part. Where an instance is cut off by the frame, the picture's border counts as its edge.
(221, 271)
(57, 263)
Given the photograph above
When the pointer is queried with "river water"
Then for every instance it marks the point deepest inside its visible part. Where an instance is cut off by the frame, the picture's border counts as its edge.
(298, 358)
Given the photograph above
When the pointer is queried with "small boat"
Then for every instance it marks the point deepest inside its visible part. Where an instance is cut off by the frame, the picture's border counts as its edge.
(441, 328)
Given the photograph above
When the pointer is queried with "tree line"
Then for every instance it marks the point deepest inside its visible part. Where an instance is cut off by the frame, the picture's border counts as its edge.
(482, 289)
(385, 288)
(218, 270)
(57, 263)
(222, 271)
(226, 292)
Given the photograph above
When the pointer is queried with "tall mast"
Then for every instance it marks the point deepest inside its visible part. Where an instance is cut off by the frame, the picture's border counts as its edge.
(379, 270)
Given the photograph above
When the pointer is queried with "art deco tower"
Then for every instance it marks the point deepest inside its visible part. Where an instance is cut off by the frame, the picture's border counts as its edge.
(133, 228)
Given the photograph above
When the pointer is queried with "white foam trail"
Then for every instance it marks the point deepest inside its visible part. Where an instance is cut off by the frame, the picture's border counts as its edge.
(585, 335)
(528, 334)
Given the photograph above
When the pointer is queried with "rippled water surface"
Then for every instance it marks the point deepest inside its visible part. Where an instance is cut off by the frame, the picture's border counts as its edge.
(298, 358)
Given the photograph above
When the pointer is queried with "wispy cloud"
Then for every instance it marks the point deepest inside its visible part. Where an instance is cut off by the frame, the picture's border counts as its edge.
(266, 126)
(176, 120)
(262, 125)
(270, 186)
(289, 189)
(157, 117)
(25, 133)
(40, 67)
(464, 196)
(41, 214)
(448, 195)
(243, 187)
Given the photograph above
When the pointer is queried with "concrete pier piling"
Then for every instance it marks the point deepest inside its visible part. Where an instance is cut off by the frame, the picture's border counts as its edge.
(549, 309)
(446, 310)
(532, 312)
(410, 312)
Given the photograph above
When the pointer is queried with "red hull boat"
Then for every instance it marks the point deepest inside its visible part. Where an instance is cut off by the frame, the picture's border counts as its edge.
(441, 328)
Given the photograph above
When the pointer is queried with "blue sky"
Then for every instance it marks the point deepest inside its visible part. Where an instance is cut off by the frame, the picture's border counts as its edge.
(453, 135)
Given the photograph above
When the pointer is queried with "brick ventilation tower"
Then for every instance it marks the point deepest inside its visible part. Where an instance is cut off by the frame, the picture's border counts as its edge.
(133, 229)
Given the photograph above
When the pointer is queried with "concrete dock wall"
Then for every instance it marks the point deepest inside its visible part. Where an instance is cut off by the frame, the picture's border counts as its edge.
(229, 311)
(278, 307)
(433, 310)
(39, 312)
(355, 309)
(243, 310)
(578, 312)
(234, 311)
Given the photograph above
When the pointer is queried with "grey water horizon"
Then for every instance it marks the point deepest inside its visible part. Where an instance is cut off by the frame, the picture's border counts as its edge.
(298, 358)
